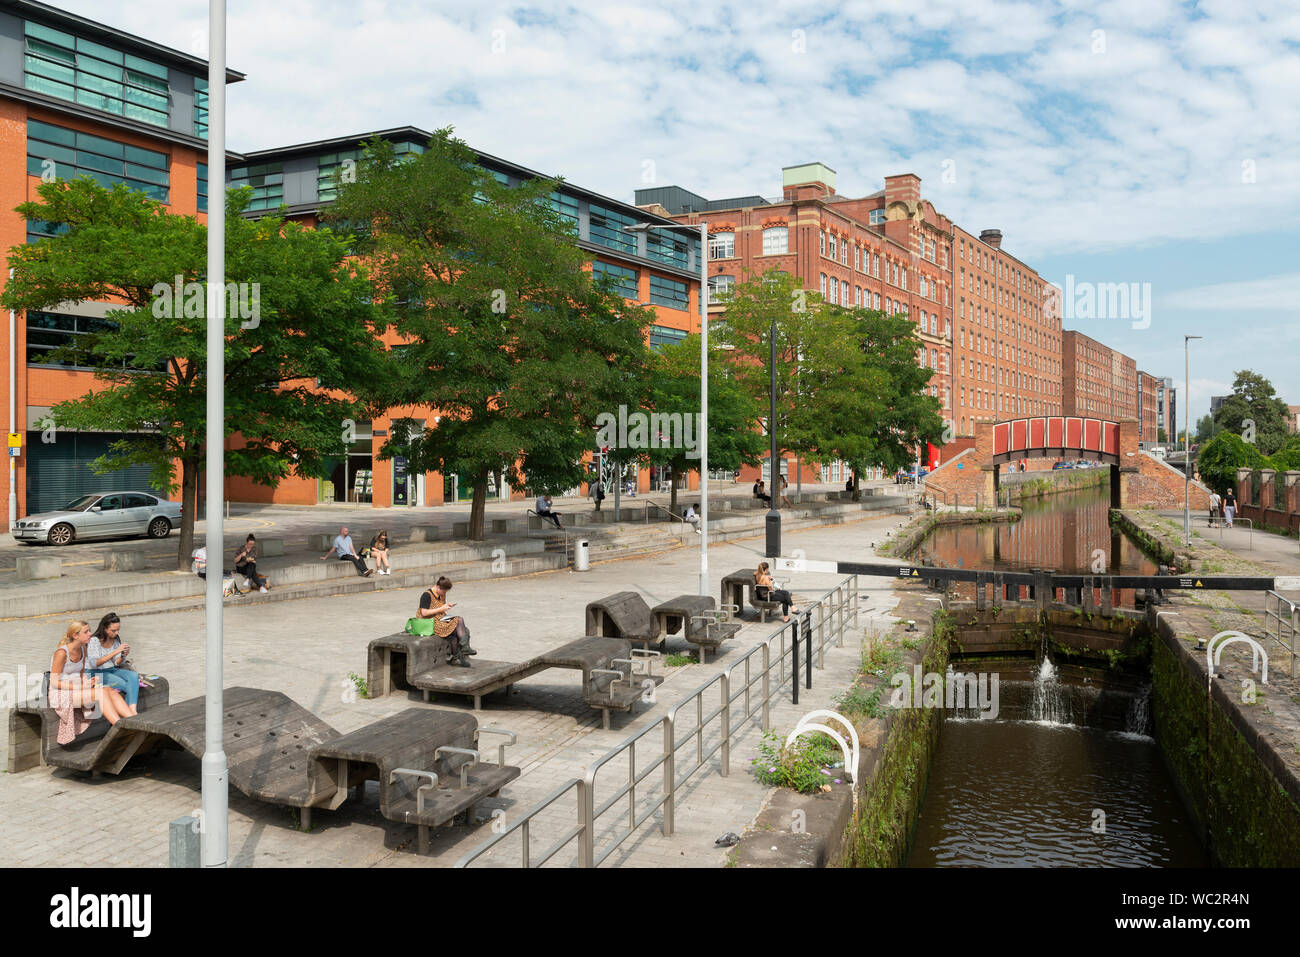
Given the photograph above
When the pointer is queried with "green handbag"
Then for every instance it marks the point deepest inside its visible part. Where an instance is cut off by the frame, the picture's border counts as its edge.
(420, 626)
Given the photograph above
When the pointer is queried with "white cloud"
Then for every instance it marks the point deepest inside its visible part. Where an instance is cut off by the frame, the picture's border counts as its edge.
(1272, 294)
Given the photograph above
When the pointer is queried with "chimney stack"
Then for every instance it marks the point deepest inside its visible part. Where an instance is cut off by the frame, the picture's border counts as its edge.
(993, 237)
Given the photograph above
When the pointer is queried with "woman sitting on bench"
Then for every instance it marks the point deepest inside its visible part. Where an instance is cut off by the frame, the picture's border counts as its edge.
(76, 696)
(765, 590)
(434, 604)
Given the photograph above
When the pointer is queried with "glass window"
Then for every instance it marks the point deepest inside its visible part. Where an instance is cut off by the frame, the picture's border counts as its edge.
(105, 161)
(75, 69)
(844, 292)
(722, 245)
(606, 229)
(47, 331)
(667, 248)
(876, 217)
(775, 240)
(267, 181)
(668, 292)
(823, 285)
(720, 287)
(566, 206)
(203, 187)
(624, 279)
(833, 241)
(665, 335)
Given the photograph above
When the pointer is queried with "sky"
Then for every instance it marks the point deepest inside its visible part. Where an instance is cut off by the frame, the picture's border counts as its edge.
(1144, 142)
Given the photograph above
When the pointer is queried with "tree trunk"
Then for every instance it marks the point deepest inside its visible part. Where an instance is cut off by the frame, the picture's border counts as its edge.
(798, 480)
(189, 509)
(478, 510)
(672, 489)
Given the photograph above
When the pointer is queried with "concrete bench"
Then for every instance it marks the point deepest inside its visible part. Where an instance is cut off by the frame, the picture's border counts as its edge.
(37, 567)
(460, 530)
(508, 526)
(702, 624)
(125, 560)
(322, 542)
(623, 614)
(274, 547)
(425, 533)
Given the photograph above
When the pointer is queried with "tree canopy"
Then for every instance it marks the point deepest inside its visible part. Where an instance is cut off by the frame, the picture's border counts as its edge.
(505, 331)
(302, 316)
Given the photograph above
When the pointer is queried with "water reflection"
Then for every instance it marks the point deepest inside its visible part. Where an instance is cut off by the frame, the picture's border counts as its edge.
(1069, 533)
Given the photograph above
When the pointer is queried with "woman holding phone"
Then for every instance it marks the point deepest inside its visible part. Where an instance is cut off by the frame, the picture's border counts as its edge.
(74, 694)
(434, 604)
(106, 656)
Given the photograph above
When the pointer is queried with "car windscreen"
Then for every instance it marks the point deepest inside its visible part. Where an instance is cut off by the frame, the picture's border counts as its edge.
(81, 504)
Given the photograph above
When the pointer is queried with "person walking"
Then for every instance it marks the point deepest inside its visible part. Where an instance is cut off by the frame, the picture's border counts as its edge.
(1229, 508)
(1215, 501)
(434, 604)
(785, 499)
(597, 492)
(343, 547)
(106, 656)
(543, 510)
(246, 564)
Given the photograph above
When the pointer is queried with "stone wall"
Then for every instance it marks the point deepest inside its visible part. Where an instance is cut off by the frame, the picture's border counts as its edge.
(1258, 498)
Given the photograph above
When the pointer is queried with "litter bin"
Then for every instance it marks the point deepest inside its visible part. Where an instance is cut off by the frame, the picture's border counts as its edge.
(581, 556)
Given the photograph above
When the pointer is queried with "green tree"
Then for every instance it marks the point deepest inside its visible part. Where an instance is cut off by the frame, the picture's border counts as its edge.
(310, 319)
(1254, 412)
(1222, 455)
(1204, 428)
(506, 334)
(903, 415)
(673, 391)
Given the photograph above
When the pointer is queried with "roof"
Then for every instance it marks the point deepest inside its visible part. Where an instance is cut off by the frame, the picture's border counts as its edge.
(92, 29)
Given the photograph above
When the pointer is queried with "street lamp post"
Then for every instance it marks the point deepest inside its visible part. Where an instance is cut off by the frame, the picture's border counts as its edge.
(1187, 439)
(214, 784)
(773, 549)
(704, 385)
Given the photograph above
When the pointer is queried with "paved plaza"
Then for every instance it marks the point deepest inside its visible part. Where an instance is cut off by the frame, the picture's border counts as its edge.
(307, 648)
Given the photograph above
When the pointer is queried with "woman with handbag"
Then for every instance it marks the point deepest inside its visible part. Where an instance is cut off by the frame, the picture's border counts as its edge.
(434, 605)
(106, 658)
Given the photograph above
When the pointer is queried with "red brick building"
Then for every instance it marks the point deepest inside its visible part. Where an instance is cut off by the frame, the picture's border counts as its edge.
(1146, 399)
(1096, 379)
(890, 250)
(1008, 342)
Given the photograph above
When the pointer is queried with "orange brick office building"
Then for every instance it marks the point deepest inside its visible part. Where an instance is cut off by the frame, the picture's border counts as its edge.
(79, 98)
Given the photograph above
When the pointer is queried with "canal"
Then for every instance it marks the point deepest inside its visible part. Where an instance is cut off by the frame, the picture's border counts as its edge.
(1055, 780)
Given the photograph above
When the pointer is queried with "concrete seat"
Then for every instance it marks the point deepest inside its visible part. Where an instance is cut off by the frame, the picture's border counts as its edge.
(272, 547)
(37, 567)
(124, 560)
(424, 533)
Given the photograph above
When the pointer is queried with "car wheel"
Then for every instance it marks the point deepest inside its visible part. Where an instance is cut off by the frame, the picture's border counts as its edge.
(61, 534)
(160, 528)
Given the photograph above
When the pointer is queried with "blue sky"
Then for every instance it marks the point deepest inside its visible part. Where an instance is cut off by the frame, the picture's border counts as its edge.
(1137, 141)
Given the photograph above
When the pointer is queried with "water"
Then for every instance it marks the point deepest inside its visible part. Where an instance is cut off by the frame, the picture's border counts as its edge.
(1069, 533)
(1068, 775)
(1026, 794)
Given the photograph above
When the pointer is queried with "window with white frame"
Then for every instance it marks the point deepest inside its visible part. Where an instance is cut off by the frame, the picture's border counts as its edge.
(821, 240)
(722, 246)
(876, 217)
(832, 242)
(775, 240)
(823, 285)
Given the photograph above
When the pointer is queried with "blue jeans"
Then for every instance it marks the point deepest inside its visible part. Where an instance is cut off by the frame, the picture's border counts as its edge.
(124, 680)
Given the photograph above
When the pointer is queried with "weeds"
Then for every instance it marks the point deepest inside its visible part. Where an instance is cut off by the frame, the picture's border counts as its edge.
(805, 766)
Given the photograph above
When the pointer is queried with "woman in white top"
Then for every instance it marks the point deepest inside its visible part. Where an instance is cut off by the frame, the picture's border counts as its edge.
(74, 695)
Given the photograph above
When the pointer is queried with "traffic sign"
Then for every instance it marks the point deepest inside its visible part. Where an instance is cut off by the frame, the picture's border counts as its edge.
(15, 440)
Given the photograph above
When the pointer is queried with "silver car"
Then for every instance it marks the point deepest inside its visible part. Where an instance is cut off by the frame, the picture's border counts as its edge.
(110, 515)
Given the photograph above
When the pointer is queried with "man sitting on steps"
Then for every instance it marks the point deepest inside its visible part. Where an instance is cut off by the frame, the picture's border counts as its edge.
(543, 510)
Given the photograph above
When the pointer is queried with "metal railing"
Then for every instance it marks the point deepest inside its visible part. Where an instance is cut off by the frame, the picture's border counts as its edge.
(672, 516)
(1221, 523)
(826, 619)
(1281, 623)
